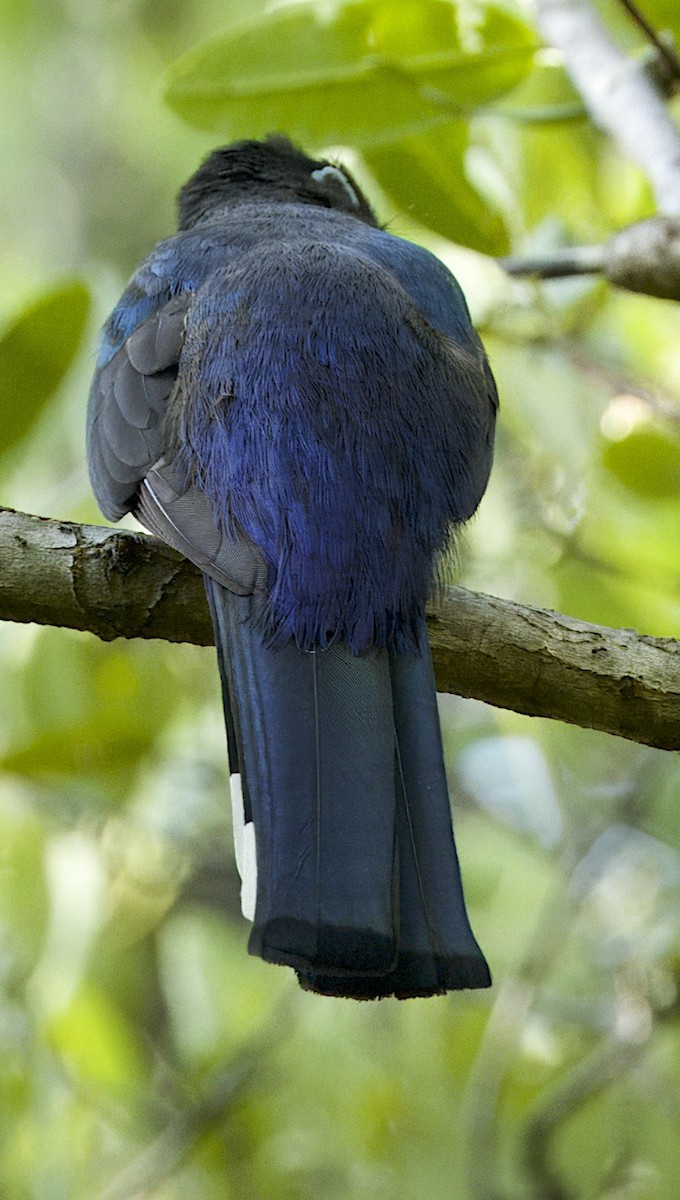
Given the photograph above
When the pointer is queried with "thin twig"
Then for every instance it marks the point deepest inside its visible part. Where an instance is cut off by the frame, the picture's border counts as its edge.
(589, 1077)
(573, 260)
(660, 404)
(642, 257)
(161, 1157)
(666, 52)
(166, 1153)
(500, 1046)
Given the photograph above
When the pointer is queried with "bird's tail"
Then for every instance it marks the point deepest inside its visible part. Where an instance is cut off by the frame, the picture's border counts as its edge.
(345, 815)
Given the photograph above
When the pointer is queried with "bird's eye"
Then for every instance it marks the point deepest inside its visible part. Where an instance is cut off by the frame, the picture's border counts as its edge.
(333, 181)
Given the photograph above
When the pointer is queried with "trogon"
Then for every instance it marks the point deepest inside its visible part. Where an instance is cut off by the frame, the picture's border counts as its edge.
(296, 400)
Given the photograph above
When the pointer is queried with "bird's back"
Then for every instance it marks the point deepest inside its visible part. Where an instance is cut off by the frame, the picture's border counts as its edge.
(326, 417)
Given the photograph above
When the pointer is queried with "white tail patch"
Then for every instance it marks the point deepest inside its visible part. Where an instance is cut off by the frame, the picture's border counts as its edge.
(244, 848)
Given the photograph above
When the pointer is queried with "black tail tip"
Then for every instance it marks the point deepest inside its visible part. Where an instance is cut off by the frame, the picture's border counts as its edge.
(416, 976)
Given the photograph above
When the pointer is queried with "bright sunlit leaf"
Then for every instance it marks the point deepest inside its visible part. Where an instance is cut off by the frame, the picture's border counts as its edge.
(647, 461)
(366, 72)
(426, 176)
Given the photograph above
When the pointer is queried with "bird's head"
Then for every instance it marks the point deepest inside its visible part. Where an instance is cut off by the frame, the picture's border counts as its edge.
(274, 169)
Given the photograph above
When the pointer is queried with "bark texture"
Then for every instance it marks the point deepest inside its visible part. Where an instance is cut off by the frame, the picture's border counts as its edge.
(115, 583)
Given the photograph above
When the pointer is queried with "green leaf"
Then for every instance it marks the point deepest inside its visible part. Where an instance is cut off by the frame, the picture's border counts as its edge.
(557, 173)
(425, 176)
(555, 152)
(370, 72)
(647, 461)
(216, 996)
(81, 703)
(97, 1042)
(36, 351)
(544, 97)
(663, 15)
(14, 16)
(23, 891)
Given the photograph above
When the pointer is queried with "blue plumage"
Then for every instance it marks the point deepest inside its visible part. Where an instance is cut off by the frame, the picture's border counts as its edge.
(291, 395)
(315, 449)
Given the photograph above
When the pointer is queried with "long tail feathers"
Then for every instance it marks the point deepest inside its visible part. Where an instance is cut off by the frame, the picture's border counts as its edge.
(345, 810)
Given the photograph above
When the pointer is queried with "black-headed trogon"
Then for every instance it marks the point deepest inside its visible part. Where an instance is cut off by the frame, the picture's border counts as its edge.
(296, 400)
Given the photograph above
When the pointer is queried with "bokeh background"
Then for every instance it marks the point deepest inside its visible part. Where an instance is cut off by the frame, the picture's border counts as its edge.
(142, 1053)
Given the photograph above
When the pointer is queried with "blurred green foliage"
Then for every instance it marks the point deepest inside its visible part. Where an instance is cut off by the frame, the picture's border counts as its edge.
(359, 73)
(142, 1053)
(47, 336)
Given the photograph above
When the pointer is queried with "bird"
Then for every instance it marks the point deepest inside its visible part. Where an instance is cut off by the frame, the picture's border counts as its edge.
(295, 398)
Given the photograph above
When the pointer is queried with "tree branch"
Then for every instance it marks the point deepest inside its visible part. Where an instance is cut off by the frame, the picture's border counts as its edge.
(119, 584)
(565, 260)
(623, 100)
(643, 257)
(109, 582)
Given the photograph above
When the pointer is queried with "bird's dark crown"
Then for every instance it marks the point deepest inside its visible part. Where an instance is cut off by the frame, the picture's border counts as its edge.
(275, 169)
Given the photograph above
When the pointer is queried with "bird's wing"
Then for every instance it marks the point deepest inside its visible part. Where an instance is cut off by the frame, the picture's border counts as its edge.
(127, 407)
(126, 453)
(136, 370)
(181, 514)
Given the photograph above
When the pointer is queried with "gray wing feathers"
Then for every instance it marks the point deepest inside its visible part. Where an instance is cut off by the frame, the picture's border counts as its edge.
(128, 401)
(155, 344)
(183, 517)
(126, 436)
